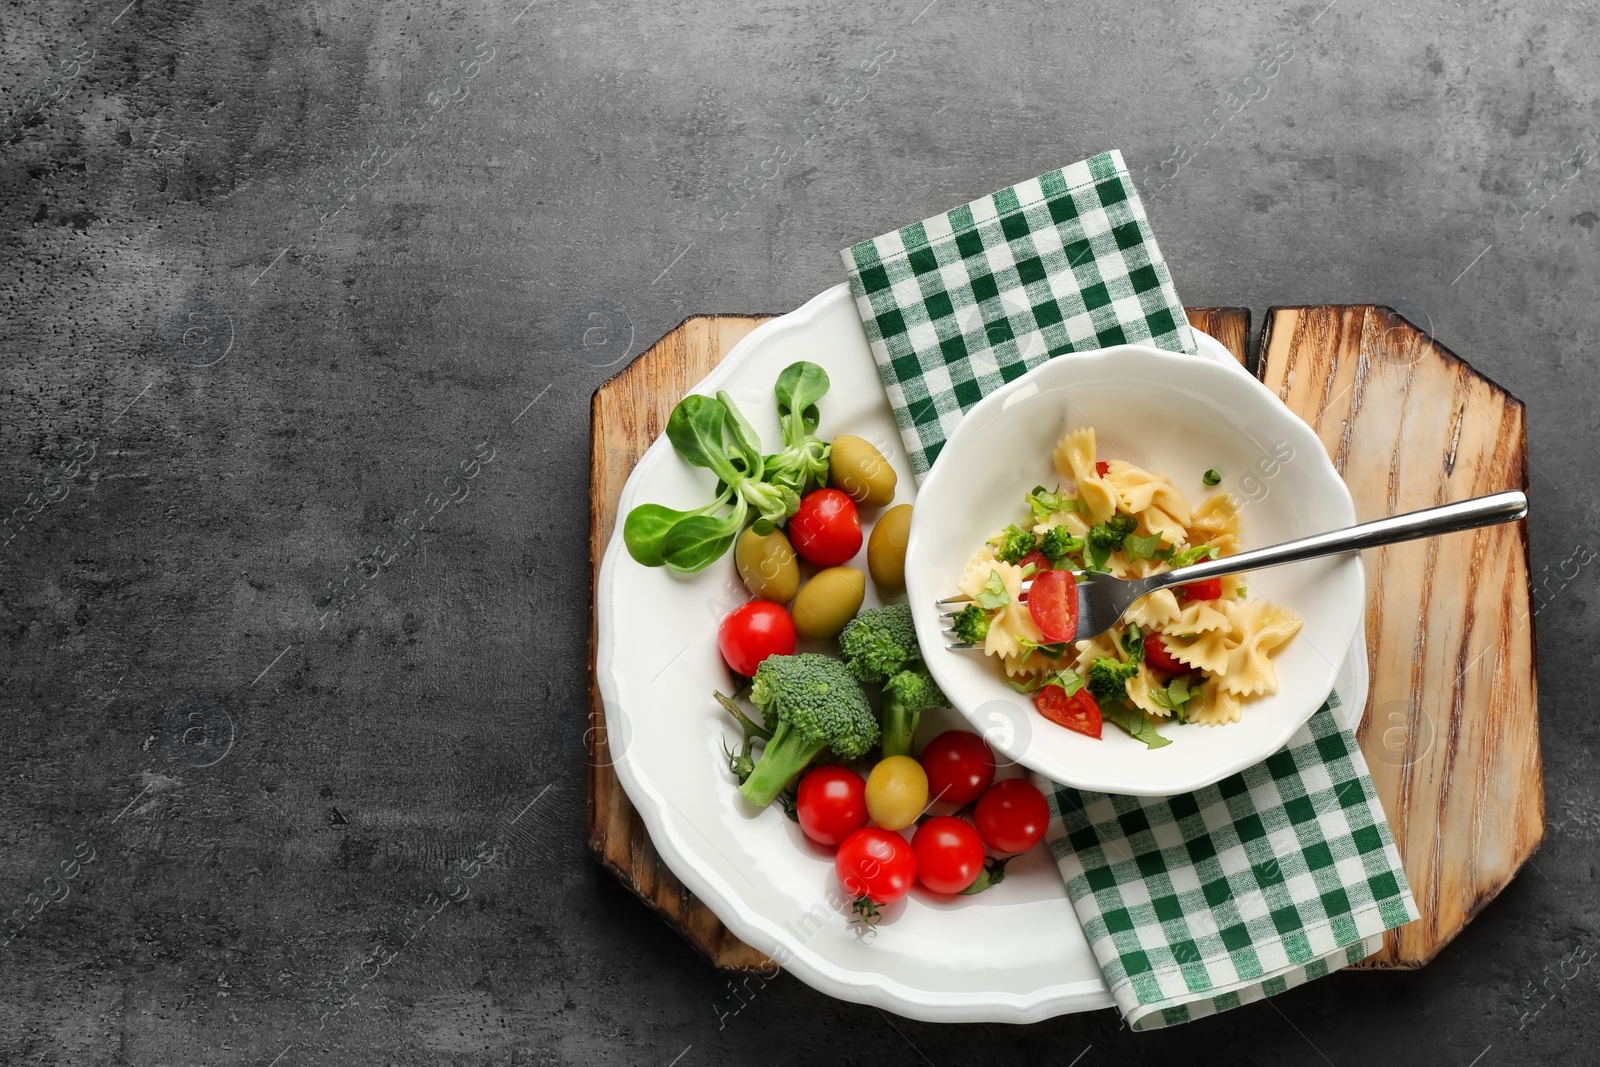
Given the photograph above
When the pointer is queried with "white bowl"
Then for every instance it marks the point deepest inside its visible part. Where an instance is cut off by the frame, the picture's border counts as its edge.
(1179, 415)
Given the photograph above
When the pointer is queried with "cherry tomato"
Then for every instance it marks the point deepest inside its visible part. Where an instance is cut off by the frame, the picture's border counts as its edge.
(831, 803)
(897, 792)
(827, 529)
(1076, 712)
(1040, 561)
(1102, 468)
(949, 854)
(1011, 816)
(875, 867)
(1209, 589)
(1053, 603)
(960, 766)
(754, 631)
(1156, 654)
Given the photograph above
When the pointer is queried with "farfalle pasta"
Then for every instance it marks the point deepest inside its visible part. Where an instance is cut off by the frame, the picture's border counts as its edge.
(1195, 653)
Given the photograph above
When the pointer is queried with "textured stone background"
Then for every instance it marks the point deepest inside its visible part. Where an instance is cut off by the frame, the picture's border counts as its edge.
(273, 272)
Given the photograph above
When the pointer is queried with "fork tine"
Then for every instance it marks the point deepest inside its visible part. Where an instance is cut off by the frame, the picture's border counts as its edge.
(962, 598)
(1093, 618)
(958, 644)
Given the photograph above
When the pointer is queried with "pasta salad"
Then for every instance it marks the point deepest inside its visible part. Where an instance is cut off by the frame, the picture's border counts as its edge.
(1193, 653)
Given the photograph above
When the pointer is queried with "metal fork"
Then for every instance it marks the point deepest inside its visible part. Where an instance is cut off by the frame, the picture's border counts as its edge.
(1102, 599)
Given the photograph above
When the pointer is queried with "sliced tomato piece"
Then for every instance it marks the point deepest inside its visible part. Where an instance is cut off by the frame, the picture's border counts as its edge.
(1076, 712)
(1210, 589)
(1053, 603)
(1040, 561)
(1102, 468)
(1156, 654)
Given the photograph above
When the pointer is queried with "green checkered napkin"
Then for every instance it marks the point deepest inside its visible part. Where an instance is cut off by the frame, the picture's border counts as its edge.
(957, 305)
(1196, 903)
(1201, 902)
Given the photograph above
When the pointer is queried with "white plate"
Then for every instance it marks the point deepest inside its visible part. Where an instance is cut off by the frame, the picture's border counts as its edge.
(1167, 412)
(1015, 953)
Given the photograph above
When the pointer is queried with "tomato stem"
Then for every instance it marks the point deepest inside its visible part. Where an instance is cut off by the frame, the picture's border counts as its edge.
(993, 873)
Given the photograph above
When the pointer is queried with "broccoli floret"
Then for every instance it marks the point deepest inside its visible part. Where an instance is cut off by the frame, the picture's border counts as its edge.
(880, 643)
(972, 625)
(810, 703)
(1057, 542)
(1108, 678)
(1108, 537)
(1015, 542)
(905, 697)
(1110, 534)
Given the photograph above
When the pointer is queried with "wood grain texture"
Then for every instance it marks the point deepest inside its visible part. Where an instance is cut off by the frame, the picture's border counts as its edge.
(1451, 729)
(629, 411)
(1231, 326)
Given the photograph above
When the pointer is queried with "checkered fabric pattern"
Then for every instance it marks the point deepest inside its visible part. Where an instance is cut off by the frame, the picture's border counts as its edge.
(1196, 903)
(1201, 902)
(957, 305)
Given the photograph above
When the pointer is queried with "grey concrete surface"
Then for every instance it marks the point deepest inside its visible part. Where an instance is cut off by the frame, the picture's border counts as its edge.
(273, 275)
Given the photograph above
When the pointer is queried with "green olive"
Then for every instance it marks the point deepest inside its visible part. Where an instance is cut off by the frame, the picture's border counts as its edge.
(886, 549)
(828, 601)
(767, 565)
(859, 470)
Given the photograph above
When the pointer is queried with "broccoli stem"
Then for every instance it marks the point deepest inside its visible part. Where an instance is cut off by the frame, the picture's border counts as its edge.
(782, 760)
(746, 723)
(899, 725)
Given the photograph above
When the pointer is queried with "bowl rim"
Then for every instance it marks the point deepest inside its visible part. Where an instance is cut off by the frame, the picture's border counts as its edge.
(1173, 782)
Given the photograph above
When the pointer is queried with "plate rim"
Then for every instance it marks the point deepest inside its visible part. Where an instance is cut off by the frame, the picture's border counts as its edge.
(872, 988)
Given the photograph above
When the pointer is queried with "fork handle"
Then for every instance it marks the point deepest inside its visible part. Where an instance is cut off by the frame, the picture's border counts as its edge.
(1429, 522)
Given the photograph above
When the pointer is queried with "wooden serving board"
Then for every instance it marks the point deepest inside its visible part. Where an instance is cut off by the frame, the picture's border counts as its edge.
(1451, 732)
(628, 413)
(1455, 758)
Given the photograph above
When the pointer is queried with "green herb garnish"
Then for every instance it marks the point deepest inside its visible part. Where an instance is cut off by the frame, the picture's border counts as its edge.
(1136, 547)
(994, 595)
(1194, 555)
(1133, 642)
(1046, 503)
(1133, 721)
(1176, 696)
(1058, 648)
(1067, 678)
